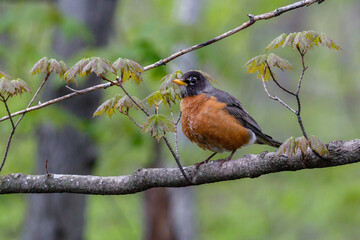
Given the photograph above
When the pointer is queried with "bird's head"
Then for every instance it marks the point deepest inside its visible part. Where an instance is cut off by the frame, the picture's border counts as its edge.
(192, 83)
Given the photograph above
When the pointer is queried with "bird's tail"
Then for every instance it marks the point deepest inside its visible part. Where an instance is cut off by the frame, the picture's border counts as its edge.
(268, 140)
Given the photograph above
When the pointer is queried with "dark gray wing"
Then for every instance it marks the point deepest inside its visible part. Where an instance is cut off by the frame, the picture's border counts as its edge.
(234, 108)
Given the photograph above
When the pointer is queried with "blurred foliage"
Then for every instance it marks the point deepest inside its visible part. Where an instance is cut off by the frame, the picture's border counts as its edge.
(312, 204)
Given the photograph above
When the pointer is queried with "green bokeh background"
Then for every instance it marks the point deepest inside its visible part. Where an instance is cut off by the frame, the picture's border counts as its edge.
(310, 204)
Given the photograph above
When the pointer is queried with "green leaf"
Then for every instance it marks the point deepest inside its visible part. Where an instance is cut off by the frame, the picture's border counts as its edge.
(258, 65)
(167, 81)
(277, 42)
(125, 103)
(154, 98)
(318, 146)
(59, 67)
(328, 42)
(157, 125)
(97, 65)
(108, 106)
(119, 102)
(13, 87)
(128, 69)
(303, 41)
(275, 61)
(41, 66)
(171, 94)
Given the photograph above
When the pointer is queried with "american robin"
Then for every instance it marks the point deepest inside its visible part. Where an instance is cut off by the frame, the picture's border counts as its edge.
(214, 119)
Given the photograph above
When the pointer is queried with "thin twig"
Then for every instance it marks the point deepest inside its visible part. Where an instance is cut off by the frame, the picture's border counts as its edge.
(19, 120)
(73, 90)
(137, 124)
(59, 99)
(298, 112)
(175, 133)
(275, 97)
(11, 133)
(277, 83)
(252, 20)
(177, 160)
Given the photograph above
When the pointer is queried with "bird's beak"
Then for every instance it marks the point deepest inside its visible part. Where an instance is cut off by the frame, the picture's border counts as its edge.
(179, 82)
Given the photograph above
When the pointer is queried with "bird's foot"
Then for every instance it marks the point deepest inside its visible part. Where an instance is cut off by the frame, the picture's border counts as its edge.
(197, 165)
(222, 161)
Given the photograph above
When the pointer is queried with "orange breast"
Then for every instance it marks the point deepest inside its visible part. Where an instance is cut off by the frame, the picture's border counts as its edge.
(206, 122)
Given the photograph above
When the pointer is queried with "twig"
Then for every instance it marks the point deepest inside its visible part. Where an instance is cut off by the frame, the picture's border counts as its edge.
(4, 100)
(59, 99)
(177, 160)
(277, 83)
(275, 97)
(137, 124)
(161, 62)
(175, 133)
(20, 118)
(252, 20)
(73, 90)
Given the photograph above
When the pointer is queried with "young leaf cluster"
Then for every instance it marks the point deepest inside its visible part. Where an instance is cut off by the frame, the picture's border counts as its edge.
(120, 102)
(303, 41)
(47, 66)
(157, 125)
(126, 68)
(292, 145)
(11, 87)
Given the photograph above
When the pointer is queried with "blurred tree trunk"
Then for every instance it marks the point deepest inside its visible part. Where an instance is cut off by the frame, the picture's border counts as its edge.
(67, 148)
(169, 212)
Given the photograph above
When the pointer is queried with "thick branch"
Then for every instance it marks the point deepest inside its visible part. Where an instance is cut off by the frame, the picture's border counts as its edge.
(252, 20)
(250, 166)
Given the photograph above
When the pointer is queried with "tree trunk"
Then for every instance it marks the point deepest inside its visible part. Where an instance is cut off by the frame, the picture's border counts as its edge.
(61, 216)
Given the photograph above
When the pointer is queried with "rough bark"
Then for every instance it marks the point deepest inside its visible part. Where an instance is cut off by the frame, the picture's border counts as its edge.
(61, 216)
(249, 166)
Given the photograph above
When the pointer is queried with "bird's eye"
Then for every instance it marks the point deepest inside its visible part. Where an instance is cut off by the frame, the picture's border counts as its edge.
(193, 80)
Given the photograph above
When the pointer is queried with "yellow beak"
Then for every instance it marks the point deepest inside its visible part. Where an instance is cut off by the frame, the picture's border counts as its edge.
(179, 82)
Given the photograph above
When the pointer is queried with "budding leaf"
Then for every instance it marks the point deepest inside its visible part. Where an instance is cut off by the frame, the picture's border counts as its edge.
(154, 98)
(41, 66)
(58, 67)
(318, 146)
(97, 65)
(277, 42)
(119, 102)
(12, 87)
(303, 41)
(302, 144)
(258, 65)
(108, 106)
(128, 69)
(171, 94)
(125, 103)
(157, 125)
(167, 81)
(70, 74)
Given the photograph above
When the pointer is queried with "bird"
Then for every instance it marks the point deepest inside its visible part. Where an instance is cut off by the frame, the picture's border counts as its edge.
(216, 120)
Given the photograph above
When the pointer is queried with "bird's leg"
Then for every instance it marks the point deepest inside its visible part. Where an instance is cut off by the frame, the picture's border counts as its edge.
(205, 161)
(221, 161)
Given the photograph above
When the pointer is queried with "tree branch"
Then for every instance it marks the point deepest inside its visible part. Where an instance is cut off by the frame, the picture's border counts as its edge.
(252, 20)
(249, 166)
